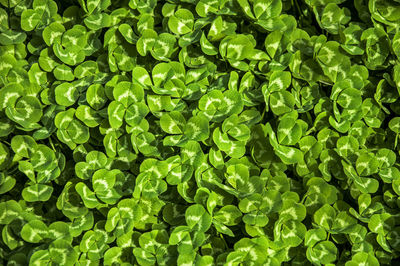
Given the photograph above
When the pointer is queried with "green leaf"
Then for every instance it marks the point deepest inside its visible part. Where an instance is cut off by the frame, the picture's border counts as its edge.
(366, 164)
(37, 192)
(94, 244)
(197, 218)
(313, 236)
(281, 102)
(325, 216)
(197, 128)
(289, 131)
(324, 252)
(381, 223)
(53, 33)
(62, 252)
(34, 231)
(24, 146)
(66, 94)
(363, 257)
(10, 210)
(181, 22)
(30, 19)
(229, 215)
(173, 122)
(266, 9)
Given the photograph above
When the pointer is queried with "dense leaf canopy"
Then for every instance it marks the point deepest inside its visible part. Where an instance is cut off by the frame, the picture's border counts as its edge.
(199, 132)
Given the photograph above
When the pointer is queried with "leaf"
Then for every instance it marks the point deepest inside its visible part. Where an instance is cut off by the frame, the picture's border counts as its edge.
(30, 19)
(228, 215)
(181, 22)
(94, 243)
(347, 145)
(381, 223)
(113, 255)
(267, 9)
(197, 128)
(34, 231)
(98, 21)
(70, 55)
(323, 252)
(289, 155)
(9, 211)
(313, 236)
(40, 257)
(173, 123)
(325, 216)
(70, 131)
(363, 257)
(66, 94)
(394, 125)
(62, 252)
(366, 164)
(38, 192)
(197, 218)
(281, 102)
(128, 33)
(349, 98)
(63, 72)
(10, 37)
(289, 132)
(6, 184)
(24, 146)
(88, 197)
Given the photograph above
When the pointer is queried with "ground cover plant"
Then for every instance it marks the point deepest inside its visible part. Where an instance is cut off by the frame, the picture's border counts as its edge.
(199, 132)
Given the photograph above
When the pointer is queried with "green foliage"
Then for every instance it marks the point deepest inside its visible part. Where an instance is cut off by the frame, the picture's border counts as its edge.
(199, 132)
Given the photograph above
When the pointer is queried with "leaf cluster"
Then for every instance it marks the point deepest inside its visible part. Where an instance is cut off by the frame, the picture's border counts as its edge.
(199, 132)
